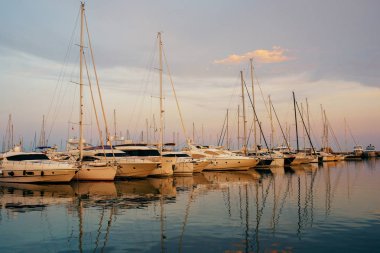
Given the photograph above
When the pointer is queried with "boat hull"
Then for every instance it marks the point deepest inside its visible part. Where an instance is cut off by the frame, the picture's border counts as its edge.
(165, 170)
(96, 173)
(200, 166)
(36, 172)
(230, 164)
(136, 169)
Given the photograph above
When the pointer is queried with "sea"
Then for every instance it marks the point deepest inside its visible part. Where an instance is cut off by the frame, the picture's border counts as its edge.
(330, 207)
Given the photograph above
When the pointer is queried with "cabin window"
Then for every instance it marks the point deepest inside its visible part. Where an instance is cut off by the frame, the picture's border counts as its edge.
(176, 155)
(111, 155)
(142, 152)
(89, 159)
(23, 157)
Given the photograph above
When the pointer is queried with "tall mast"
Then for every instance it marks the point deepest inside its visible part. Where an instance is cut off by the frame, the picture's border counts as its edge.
(194, 133)
(147, 131)
(324, 130)
(228, 142)
(295, 117)
(345, 135)
(114, 123)
(42, 141)
(253, 104)
(327, 130)
(271, 124)
(81, 84)
(161, 97)
(308, 116)
(238, 128)
(244, 120)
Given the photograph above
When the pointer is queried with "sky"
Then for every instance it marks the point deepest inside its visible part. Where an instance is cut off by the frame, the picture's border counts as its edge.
(327, 52)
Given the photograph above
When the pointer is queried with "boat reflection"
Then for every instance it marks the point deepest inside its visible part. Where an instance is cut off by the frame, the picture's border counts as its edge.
(21, 197)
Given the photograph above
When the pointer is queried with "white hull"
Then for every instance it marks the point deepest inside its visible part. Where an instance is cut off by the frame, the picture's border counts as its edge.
(183, 169)
(230, 164)
(200, 166)
(328, 158)
(136, 169)
(278, 162)
(36, 172)
(296, 161)
(48, 176)
(165, 170)
(96, 173)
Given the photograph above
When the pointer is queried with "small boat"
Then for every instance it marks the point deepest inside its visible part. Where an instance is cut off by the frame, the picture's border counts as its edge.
(370, 151)
(358, 150)
(34, 167)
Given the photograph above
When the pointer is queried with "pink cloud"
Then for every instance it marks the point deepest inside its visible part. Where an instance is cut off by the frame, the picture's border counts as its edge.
(277, 54)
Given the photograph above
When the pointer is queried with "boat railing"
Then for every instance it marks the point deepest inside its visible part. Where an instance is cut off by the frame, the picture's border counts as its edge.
(34, 165)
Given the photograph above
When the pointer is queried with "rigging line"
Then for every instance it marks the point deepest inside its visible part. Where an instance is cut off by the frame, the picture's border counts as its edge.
(145, 81)
(349, 129)
(97, 84)
(333, 134)
(61, 75)
(95, 111)
(262, 94)
(222, 131)
(254, 111)
(282, 131)
(307, 132)
(175, 95)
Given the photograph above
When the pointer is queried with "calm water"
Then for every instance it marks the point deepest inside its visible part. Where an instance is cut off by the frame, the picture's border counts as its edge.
(330, 208)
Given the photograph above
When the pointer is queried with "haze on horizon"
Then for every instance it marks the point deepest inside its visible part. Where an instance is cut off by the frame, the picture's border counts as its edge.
(325, 51)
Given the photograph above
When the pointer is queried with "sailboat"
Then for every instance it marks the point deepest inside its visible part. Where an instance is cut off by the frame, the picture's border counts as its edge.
(92, 170)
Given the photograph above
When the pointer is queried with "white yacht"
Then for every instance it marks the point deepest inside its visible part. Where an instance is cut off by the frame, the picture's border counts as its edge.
(130, 167)
(150, 153)
(34, 167)
(182, 163)
(370, 151)
(222, 159)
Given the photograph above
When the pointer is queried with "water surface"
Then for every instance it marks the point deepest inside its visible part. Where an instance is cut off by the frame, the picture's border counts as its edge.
(334, 207)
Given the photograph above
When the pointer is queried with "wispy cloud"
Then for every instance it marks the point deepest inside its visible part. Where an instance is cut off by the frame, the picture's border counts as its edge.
(277, 54)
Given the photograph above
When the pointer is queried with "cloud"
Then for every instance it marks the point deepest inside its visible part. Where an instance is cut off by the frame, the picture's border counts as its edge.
(277, 54)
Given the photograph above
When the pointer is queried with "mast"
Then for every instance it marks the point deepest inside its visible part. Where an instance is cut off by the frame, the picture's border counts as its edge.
(295, 117)
(42, 141)
(81, 84)
(238, 128)
(308, 116)
(271, 124)
(114, 123)
(161, 97)
(228, 142)
(327, 132)
(244, 120)
(193, 132)
(147, 131)
(253, 104)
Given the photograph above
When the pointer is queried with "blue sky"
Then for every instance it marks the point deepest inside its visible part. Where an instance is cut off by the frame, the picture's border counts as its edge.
(326, 51)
